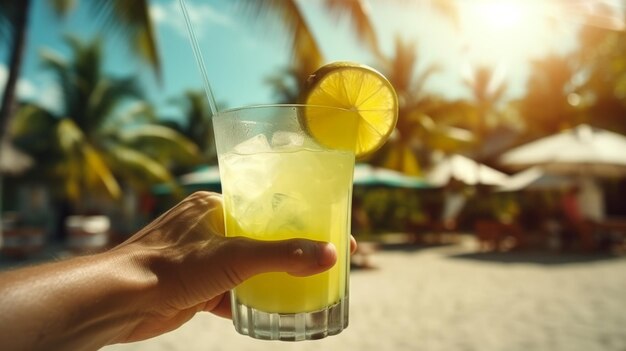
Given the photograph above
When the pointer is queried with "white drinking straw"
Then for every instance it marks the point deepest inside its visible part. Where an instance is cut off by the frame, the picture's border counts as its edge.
(198, 55)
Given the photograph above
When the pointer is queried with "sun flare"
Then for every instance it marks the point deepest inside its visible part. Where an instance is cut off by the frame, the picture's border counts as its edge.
(502, 15)
(495, 30)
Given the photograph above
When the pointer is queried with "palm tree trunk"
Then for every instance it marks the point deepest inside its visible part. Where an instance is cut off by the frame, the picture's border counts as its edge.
(18, 45)
(15, 64)
(64, 210)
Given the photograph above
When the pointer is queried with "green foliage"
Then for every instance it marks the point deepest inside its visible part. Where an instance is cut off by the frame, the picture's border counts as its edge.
(197, 125)
(406, 151)
(396, 210)
(104, 134)
(545, 107)
(603, 92)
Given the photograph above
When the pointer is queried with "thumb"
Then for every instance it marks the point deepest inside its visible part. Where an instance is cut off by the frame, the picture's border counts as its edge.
(298, 257)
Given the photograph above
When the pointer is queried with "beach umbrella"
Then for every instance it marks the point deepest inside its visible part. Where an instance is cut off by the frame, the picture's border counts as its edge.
(365, 174)
(535, 178)
(207, 175)
(584, 150)
(465, 170)
(12, 160)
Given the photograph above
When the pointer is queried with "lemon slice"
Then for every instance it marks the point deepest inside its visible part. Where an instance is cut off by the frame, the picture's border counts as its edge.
(369, 101)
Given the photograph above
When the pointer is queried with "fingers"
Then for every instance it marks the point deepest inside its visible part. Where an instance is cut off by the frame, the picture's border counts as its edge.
(353, 245)
(298, 257)
(325, 253)
(245, 258)
(219, 305)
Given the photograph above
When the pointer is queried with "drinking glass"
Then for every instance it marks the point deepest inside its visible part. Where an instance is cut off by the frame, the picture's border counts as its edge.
(279, 182)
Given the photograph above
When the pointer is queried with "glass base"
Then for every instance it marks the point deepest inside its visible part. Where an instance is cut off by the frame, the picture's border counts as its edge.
(290, 326)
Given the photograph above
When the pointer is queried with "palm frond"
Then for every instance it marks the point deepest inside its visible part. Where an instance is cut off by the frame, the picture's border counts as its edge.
(82, 165)
(196, 108)
(62, 7)
(161, 143)
(30, 131)
(284, 89)
(403, 64)
(307, 55)
(486, 86)
(138, 113)
(86, 62)
(137, 168)
(438, 136)
(399, 156)
(448, 8)
(60, 68)
(423, 77)
(358, 12)
(197, 124)
(107, 95)
(131, 19)
(77, 77)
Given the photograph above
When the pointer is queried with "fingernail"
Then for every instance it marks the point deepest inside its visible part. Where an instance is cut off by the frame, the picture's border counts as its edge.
(326, 255)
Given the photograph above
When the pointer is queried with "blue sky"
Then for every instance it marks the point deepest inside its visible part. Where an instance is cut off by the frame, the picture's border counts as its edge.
(241, 53)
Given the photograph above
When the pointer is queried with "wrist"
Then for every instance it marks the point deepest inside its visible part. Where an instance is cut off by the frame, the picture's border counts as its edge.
(132, 270)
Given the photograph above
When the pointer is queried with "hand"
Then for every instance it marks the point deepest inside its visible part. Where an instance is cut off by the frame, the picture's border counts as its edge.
(196, 265)
(178, 265)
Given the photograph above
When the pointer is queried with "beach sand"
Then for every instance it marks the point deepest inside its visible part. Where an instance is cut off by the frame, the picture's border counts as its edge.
(453, 298)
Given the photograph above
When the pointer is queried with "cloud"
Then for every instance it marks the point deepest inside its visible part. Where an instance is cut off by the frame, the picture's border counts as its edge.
(201, 15)
(50, 96)
(25, 88)
(46, 93)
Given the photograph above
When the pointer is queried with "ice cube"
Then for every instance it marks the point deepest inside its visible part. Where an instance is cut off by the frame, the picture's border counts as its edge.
(277, 200)
(257, 143)
(247, 174)
(283, 139)
(246, 184)
(253, 215)
(287, 215)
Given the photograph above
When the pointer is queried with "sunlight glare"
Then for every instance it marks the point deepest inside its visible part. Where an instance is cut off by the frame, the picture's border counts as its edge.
(494, 31)
(501, 15)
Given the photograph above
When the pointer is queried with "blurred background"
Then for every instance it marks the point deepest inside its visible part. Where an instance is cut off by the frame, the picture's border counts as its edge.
(493, 219)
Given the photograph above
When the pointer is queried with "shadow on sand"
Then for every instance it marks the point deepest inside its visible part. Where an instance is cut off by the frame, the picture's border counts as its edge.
(537, 257)
(410, 247)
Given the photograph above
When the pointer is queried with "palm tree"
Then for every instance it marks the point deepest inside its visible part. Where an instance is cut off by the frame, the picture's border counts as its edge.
(603, 91)
(487, 111)
(423, 117)
(289, 84)
(100, 140)
(197, 124)
(487, 92)
(307, 56)
(129, 16)
(545, 107)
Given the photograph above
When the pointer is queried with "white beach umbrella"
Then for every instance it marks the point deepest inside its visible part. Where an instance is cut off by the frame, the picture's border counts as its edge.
(209, 175)
(535, 178)
(12, 160)
(583, 150)
(465, 170)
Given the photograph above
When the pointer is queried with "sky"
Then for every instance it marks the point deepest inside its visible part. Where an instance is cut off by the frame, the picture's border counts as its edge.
(240, 52)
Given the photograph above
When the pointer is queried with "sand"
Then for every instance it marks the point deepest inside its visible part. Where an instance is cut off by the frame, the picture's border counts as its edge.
(453, 298)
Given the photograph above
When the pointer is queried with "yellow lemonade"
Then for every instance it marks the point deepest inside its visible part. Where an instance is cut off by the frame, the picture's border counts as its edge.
(275, 195)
